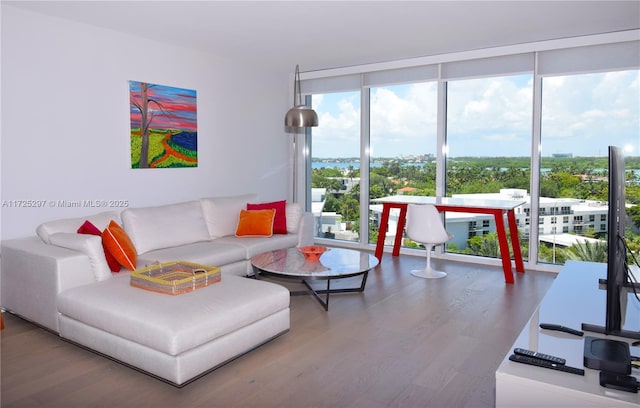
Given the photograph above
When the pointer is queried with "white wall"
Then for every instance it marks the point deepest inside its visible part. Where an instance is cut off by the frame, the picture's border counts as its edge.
(65, 121)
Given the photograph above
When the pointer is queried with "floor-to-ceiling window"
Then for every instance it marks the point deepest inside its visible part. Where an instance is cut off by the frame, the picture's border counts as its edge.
(582, 115)
(495, 126)
(488, 153)
(402, 146)
(335, 165)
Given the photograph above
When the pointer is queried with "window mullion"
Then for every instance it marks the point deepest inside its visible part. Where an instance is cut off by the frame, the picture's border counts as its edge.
(534, 190)
(365, 144)
(441, 149)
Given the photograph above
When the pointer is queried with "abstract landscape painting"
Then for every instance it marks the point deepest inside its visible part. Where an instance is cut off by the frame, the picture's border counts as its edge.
(164, 130)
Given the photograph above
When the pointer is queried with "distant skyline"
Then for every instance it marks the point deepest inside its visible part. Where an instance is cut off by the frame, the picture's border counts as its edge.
(581, 115)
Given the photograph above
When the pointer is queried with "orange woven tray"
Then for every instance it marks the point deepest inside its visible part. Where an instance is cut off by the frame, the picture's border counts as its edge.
(175, 278)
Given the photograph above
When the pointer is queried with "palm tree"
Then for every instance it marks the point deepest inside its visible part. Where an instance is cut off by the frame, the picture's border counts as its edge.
(588, 251)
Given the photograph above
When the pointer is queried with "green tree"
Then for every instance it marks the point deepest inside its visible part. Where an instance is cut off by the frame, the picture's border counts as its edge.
(350, 210)
(331, 204)
(588, 251)
(381, 183)
(634, 214)
(591, 233)
(319, 180)
(376, 192)
(551, 254)
(486, 245)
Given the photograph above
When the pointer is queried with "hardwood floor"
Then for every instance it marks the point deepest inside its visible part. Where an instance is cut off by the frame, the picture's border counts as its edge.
(404, 342)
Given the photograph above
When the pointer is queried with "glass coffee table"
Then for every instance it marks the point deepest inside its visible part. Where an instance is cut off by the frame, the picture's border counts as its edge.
(337, 263)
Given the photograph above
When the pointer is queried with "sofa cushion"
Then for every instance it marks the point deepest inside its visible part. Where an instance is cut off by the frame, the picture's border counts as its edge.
(118, 243)
(165, 226)
(212, 253)
(173, 324)
(294, 215)
(280, 221)
(221, 213)
(88, 228)
(69, 225)
(90, 245)
(254, 246)
(255, 223)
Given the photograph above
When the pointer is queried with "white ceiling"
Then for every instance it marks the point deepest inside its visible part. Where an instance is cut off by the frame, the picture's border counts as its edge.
(277, 35)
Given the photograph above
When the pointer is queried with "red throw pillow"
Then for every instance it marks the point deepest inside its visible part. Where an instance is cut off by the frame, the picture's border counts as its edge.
(280, 221)
(89, 228)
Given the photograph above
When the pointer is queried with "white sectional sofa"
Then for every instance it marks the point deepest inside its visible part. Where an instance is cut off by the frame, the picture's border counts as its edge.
(57, 279)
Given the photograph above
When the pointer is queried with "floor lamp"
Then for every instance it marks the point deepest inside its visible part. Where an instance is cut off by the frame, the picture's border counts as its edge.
(300, 116)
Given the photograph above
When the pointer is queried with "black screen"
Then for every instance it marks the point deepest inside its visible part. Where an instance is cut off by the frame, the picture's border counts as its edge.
(616, 251)
(617, 255)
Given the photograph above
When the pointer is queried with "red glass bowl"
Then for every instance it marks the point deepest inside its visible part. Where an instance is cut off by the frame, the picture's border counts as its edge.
(313, 252)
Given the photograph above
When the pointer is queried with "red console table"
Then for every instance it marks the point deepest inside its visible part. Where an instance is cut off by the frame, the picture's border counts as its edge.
(498, 208)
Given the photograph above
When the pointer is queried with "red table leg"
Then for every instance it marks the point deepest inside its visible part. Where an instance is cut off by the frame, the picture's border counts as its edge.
(402, 218)
(504, 247)
(382, 231)
(515, 241)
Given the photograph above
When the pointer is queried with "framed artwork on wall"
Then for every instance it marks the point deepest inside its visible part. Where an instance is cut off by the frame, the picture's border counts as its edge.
(164, 127)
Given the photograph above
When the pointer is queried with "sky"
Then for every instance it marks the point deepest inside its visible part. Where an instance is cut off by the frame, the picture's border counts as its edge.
(179, 108)
(581, 115)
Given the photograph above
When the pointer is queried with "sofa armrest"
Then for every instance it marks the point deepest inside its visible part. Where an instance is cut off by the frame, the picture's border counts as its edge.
(305, 229)
(32, 275)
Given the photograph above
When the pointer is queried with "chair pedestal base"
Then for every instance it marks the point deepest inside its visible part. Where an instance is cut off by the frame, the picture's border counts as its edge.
(428, 273)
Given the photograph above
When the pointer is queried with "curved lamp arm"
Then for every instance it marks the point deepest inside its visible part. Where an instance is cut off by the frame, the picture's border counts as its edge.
(300, 115)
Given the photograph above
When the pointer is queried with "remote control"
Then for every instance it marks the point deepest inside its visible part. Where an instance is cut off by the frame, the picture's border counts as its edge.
(541, 356)
(557, 327)
(545, 364)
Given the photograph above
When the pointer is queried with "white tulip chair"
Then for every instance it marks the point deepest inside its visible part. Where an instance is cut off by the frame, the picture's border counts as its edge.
(425, 226)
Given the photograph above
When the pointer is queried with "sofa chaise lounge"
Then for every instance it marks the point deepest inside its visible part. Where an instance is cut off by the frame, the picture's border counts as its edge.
(57, 280)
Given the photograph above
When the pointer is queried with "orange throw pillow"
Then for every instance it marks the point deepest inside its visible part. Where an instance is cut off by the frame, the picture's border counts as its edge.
(89, 228)
(118, 243)
(255, 223)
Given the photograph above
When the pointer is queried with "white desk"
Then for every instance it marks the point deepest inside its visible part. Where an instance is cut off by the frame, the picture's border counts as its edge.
(497, 208)
(574, 298)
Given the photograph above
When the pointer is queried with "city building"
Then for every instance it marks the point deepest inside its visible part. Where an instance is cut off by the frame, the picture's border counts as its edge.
(561, 221)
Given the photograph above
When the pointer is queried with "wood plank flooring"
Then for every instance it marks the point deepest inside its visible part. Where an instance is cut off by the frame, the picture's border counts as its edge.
(404, 342)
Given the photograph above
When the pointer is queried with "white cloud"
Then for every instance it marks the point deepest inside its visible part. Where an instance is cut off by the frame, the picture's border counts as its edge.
(602, 108)
(502, 137)
(488, 116)
(339, 130)
(405, 116)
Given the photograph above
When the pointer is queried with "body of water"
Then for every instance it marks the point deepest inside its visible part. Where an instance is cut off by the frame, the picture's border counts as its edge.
(346, 165)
